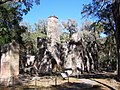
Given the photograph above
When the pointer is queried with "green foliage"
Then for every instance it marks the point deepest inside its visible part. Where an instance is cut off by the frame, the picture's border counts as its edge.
(31, 35)
(27, 3)
(4, 38)
(41, 27)
(102, 11)
(106, 46)
(70, 26)
(64, 37)
(10, 17)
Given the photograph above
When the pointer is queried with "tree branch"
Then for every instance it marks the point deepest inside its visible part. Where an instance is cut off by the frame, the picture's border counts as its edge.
(5, 1)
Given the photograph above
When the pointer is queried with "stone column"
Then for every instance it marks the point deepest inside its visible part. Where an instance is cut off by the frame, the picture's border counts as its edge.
(53, 33)
(9, 64)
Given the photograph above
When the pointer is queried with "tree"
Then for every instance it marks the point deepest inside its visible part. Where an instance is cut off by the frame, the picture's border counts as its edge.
(64, 37)
(26, 36)
(116, 15)
(10, 17)
(31, 35)
(26, 2)
(41, 26)
(71, 26)
(11, 12)
(86, 25)
(102, 9)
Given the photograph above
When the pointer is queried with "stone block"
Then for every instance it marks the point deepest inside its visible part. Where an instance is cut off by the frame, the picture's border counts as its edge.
(9, 64)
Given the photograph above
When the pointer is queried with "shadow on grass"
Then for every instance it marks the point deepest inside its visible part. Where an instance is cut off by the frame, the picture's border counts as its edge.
(98, 75)
(75, 86)
(64, 86)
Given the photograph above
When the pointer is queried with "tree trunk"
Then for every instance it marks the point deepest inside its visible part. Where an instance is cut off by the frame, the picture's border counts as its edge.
(0, 58)
(116, 15)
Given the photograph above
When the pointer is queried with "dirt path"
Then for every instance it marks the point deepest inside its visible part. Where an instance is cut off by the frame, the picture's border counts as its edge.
(77, 84)
(110, 83)
(74, 84)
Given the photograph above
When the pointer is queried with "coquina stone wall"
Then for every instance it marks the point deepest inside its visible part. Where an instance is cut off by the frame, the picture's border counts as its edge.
(9, 64)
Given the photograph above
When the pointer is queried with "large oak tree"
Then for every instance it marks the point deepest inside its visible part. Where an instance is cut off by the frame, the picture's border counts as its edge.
(106, 12)
(116, 15)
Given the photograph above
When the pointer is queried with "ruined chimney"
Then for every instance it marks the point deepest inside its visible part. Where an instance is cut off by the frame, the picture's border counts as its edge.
(53, 32)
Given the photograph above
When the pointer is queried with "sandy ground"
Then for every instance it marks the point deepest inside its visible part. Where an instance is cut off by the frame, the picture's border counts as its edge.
(52, 83)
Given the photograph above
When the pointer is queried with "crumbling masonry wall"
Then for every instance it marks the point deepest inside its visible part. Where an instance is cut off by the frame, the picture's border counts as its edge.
(9, 64)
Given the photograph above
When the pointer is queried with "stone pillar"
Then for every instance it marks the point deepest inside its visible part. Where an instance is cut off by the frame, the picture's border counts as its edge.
(53, 32)
(9, 64)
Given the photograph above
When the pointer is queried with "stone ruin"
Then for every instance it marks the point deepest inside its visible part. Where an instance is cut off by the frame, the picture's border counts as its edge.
(9, 64)
(49, 55)
(78, 55)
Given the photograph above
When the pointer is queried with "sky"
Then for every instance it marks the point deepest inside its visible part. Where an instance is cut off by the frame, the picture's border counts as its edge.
(63, 9)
